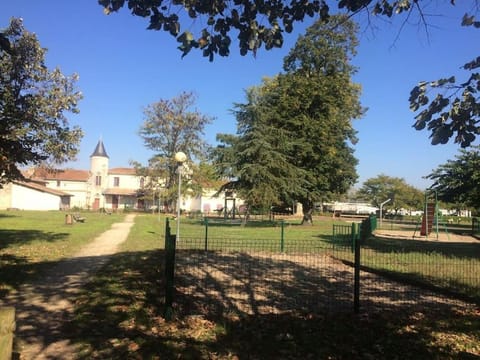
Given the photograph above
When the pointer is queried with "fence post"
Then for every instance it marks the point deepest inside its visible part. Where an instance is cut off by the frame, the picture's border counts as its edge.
(206, 234)
(7, 328)
(170, 244)
(356, 274)
(282, 238)
(354, 234)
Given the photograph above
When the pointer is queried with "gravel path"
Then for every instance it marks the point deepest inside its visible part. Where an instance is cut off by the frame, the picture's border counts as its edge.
(42, 308)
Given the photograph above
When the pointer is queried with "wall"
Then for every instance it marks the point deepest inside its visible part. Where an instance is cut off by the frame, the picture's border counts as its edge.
(25, 198)
(6, 197)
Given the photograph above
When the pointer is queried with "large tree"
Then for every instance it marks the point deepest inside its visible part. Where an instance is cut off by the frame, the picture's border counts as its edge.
(33, 102)
(457, 181)
(402, 195)
(452, 109)
(171, 126)
(294, 132)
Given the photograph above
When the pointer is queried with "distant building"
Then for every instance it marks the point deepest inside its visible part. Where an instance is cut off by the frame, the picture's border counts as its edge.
(96, 188)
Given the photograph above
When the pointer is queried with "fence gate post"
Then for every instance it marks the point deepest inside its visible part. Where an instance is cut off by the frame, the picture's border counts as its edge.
(7, 328)
(206, 234)
(170, 244)
(282, 238)
(356, 273)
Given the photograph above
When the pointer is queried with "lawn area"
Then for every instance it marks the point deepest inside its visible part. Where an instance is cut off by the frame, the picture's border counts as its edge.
(119, 315)
(31, 241)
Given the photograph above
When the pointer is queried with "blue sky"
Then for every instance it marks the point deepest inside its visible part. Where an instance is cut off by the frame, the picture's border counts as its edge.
(123, 68)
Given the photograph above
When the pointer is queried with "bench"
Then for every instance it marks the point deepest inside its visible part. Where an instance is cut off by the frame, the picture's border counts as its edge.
(78, 218)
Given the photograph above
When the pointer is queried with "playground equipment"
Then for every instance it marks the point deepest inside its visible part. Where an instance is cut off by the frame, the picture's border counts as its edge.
(430, 219)
(230, 212)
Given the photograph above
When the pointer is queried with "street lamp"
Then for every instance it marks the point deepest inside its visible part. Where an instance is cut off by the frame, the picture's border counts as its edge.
(180, 158)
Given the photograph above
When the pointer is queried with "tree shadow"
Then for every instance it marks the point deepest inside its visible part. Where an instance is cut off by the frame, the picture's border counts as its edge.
(21, 237)
(230, 305)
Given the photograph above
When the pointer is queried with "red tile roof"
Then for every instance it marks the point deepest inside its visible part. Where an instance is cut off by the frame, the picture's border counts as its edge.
(64, 174)
(122, 171)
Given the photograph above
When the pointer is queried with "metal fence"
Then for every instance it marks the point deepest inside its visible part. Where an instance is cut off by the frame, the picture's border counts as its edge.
(476, 227)
(315, 276)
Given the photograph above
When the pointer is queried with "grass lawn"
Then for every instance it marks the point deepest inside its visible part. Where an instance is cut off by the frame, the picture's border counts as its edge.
(30, 241)
(119, 316)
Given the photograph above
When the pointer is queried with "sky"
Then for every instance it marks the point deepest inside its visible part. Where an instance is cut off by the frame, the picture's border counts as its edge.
(123, 68)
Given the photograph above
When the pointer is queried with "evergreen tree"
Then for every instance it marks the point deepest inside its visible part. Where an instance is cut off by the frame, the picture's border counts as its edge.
(295, 133)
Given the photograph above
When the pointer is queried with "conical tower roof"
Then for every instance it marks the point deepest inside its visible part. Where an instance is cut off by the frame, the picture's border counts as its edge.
(100, 150)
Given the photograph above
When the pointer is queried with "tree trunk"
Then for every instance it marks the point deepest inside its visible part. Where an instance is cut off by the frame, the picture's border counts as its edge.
(307, 213)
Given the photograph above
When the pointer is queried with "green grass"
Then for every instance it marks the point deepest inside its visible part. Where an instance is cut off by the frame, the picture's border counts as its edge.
(120, 315)
(452, 267)
(120, 312)
(31, 241)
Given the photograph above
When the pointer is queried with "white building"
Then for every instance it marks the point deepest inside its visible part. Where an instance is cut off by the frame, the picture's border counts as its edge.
(96, 188)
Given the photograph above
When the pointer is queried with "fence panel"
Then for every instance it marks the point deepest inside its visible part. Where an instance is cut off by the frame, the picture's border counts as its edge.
(258, 276)
(259, 279)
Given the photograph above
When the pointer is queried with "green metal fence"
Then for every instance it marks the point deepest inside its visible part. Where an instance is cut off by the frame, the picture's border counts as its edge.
(218, 275)
(476, 227)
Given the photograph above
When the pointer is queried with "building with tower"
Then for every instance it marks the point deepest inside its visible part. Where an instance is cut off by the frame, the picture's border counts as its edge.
(99, 187)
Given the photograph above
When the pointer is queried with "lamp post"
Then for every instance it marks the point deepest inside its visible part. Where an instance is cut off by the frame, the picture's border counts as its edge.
(180, 158)
(381, 208)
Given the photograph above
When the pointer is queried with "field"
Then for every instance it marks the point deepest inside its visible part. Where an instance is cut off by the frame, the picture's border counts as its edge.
(120, 313)
(135, 323)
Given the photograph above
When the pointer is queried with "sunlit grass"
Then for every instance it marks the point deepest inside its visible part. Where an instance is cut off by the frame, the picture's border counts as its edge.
(31, 241)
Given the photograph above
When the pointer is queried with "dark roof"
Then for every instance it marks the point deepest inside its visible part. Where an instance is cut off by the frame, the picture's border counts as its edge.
(100, 150)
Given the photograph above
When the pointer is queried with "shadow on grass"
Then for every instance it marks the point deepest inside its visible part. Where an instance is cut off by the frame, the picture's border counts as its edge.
(119, 315)
(10, 237)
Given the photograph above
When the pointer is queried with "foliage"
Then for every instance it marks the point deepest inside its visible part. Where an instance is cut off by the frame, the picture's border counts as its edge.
(457, 181)
(383, 187)
(262, 23)
(171, 126)
(258, 23)
(33, 102)
(453, 108)
(293, 134)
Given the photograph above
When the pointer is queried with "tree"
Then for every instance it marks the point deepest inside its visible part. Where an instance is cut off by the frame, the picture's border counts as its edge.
(381, 188)
(457, 181)
(33, 102)
(261, 23)
(453, 109)
(171, 126)
(294, 132)
(257, 158)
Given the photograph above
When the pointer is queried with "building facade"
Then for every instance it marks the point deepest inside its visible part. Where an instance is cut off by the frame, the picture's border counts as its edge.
(100, 187)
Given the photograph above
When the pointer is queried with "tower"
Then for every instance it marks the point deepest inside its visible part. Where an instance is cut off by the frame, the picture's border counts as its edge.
(98, 176)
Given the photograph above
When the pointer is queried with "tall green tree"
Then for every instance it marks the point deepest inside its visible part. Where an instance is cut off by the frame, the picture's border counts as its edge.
(257, 159)
(295, 133)
(448, 108)
(34, 128)
(457, 181)
(402, 195)
(171, 126)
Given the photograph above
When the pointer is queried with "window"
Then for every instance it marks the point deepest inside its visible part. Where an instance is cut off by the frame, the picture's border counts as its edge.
(116, 181)
(58, 183)
(142, 182)
(98, 180)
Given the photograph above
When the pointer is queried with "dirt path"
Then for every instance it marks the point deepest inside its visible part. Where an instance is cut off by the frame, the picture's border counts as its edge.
(42, 308)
